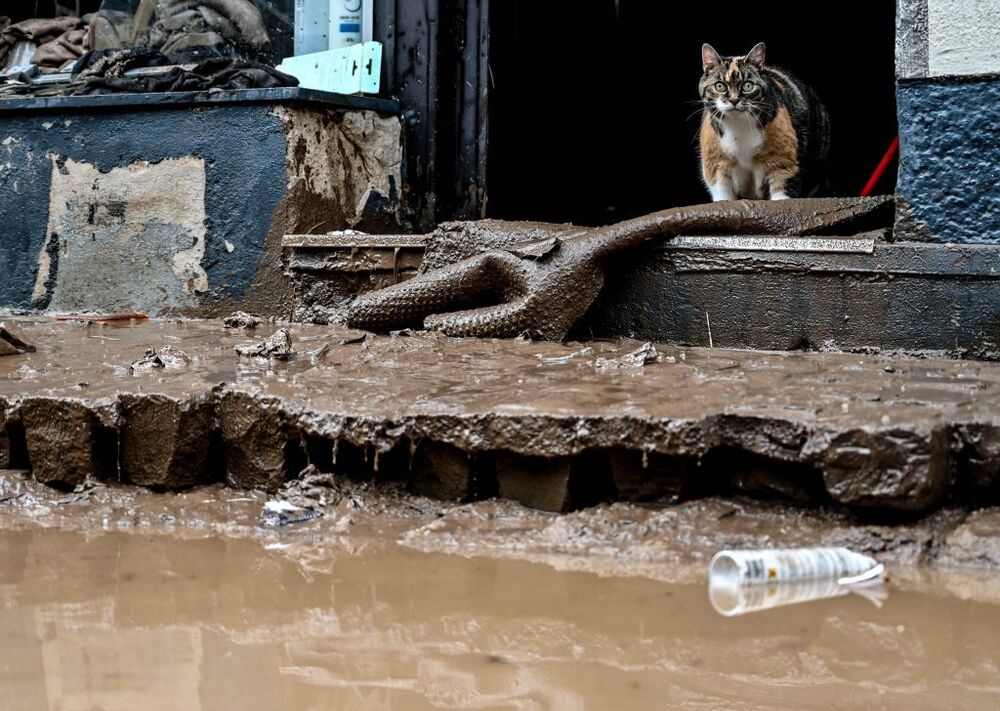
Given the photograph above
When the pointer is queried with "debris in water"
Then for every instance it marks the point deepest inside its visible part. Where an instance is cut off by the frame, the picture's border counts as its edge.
(276, 514)
(12, 341)
(104, 318)
(565, 358)
(166, 357)
(643, 355)
(316, 356)
(241, 319)
(278, 345)
(747, 581)
(356, 339)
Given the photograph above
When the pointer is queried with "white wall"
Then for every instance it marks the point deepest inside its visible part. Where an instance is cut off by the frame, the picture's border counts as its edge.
(963, 37)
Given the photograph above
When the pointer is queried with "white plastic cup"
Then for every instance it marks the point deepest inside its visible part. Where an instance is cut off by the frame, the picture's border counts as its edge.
(745, 581)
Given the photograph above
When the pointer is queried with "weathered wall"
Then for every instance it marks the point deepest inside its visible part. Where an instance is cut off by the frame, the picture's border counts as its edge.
(181, 209)
(948, 94)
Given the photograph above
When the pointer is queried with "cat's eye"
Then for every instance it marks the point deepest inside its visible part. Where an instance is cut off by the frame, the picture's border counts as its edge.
(747, 87)
(720, 86)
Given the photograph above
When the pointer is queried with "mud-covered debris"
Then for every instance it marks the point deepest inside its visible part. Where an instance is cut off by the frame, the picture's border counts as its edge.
(278, 345)
(552, 360)
(363, 338)
(13, 341)
(537, 249)
(317, 356)
(643, 355)
(166, 357)
(550, 295)
(241, 319)
(277, 513)
(530, 335)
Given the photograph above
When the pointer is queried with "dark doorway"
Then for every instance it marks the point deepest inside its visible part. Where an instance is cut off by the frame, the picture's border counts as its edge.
(594, 106)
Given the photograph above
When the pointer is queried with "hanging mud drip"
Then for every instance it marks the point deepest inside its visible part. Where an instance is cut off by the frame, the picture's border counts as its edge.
(546, 286)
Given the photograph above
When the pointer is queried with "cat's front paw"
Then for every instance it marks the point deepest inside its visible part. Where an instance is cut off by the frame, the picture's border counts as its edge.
(781, 195)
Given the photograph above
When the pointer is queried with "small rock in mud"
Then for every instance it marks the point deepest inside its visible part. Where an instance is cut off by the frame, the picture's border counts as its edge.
(12, 341)
(166, 357)
(278, 345)
(643, 355)
(241, 319)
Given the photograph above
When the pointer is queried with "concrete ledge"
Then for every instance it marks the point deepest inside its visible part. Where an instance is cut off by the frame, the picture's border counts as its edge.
(903, 296)
(538, 422)
(176, 99)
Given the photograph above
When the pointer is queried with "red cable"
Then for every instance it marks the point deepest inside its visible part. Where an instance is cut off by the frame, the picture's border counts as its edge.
(882, 167)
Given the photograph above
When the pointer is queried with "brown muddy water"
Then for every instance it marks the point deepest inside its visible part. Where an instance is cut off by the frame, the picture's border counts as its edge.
(140, 620)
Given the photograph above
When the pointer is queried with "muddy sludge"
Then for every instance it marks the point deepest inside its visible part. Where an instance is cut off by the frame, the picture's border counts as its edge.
(113, 619)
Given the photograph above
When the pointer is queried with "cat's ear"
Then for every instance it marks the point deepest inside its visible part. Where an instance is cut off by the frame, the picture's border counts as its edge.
(756, 55)
(710, 59)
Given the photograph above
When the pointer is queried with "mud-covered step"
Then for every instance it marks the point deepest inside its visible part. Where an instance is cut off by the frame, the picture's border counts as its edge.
(548, 424)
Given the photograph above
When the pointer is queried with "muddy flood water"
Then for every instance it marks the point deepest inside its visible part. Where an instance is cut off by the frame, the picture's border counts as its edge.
(132, 620)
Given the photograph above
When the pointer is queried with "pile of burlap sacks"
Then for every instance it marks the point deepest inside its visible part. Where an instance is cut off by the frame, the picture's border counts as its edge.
(184, 28)
(48, 43)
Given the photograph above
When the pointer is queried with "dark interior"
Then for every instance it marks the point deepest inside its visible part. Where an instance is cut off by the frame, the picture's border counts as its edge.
(594, 108)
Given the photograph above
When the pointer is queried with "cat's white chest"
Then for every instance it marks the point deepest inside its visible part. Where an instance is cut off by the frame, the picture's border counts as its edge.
(741, 138)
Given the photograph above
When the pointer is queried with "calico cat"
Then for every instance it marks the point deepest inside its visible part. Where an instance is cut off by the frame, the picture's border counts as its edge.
(764, 134)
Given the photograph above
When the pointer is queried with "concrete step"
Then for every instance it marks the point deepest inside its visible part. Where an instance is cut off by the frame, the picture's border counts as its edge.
(556, 426)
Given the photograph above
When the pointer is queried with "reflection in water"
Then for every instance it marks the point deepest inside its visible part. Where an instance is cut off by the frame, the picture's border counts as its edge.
(119, 620)
(731, 601)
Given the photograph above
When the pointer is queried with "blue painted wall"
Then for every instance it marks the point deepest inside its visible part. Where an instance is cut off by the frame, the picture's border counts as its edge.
(243, 147)
(949, 175)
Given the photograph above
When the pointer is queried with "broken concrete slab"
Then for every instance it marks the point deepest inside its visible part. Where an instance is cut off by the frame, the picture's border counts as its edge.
(61, 440)
(167, 443)
(5, 451)
(556, 484)
(441, 471)
(867, 432)
(642, 477)
(536, 482)
(255, 442)
(975, 543)
(895, 467)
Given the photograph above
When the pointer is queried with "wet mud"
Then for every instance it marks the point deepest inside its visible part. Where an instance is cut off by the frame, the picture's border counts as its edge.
(118, 597)
(549, 425)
